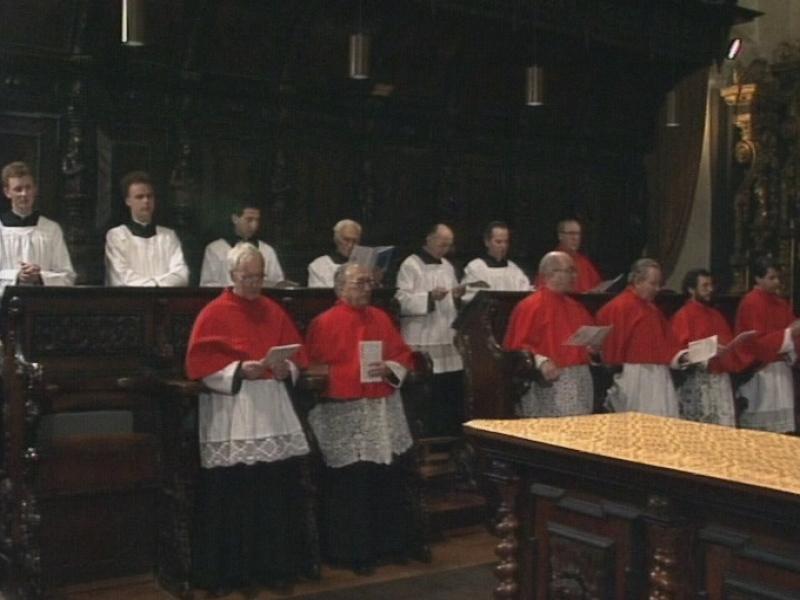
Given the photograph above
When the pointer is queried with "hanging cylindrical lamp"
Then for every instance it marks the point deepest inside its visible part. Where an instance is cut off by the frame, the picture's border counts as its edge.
(534, 85)
(672, 109)
(133, 27)
(359, 56)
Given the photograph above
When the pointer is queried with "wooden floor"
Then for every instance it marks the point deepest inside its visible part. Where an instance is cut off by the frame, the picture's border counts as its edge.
(461, 548)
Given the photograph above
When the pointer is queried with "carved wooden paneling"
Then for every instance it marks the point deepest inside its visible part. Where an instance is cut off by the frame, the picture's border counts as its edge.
(738, 589)
(581, 564)
(112, 335)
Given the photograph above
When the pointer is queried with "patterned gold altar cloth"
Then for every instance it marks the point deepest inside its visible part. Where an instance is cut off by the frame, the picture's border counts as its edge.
(755, 458)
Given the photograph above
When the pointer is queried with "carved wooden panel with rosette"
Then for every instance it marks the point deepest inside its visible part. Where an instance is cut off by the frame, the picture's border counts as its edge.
(581, 564)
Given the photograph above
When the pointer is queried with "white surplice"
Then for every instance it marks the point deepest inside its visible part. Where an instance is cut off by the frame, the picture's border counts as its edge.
(256, 424)
(366, 430)
(321, 271)
(214, 272)
(770, 393)
(645, 388)
(145, 262)
(41, 244)
(424, 330)
(508, 278)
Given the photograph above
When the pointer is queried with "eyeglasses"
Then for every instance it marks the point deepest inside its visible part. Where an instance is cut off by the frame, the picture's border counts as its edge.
(362, 283)
(250, 278)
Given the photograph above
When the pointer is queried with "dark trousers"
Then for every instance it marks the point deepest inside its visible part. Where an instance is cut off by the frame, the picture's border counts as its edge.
(247, 524)
(367, 514)
(444, 412)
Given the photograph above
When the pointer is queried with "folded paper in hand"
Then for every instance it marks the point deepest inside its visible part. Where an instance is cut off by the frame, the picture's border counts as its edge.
(707, 348)
(480, 283)
(278, 354)
(589, 335)
(369, 353)
(703, 349)
(605, 286)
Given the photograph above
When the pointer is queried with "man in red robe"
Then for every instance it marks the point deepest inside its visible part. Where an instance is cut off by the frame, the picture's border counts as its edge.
(643, 344)
(361, 427)
(569, 241)
(541, 324)
(770, 392)
(249, 497)
(705, 394)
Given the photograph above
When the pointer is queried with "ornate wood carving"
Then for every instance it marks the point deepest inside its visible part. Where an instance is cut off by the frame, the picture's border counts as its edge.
(508, 525)
(20, 534)
(114, 335)
(766, 100)
(667, 551)
(580, 564)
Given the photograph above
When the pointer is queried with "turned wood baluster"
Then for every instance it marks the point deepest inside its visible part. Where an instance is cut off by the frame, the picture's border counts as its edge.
(667, 546)
(507, 570)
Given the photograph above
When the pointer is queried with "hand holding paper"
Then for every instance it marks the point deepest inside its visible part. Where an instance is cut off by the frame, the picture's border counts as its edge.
(589, 335)
(278, 354)
(371, 356)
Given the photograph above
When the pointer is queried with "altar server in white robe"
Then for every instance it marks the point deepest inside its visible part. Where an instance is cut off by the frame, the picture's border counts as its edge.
(249, 514)
(246, 221)
(321, 270)
(494, 268)
(427, 290)
(139, 252)
(32, 246)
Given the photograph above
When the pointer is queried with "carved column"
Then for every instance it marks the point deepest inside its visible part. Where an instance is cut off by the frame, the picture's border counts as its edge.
(508, 525)
(668, 549)
(184, 189)
(77, 182)
(22, 391)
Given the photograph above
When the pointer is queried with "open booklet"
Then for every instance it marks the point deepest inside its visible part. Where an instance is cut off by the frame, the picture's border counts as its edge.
(278, 354)
(370, 352)
(605, 286)
(707, 348)
(589, 335)
(372, 257)
(479, 284)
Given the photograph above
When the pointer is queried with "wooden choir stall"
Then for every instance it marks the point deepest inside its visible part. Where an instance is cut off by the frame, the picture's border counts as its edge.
(100, 452)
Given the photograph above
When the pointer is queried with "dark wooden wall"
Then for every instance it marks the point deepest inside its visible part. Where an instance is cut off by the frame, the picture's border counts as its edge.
(250, 98)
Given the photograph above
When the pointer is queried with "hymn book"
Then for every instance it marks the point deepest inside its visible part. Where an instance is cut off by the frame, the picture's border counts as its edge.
(707, 348)
(377, 257)
(589, 335)
(278, 354)
(369, 353)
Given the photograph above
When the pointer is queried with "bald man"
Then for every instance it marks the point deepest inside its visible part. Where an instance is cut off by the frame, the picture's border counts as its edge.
(427, 290)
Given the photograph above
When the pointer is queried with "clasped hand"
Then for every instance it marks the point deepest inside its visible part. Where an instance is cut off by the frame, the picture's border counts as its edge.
(29, 273)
